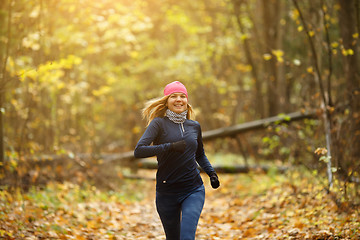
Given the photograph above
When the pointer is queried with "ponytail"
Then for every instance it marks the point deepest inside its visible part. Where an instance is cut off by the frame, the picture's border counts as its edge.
(157, 108)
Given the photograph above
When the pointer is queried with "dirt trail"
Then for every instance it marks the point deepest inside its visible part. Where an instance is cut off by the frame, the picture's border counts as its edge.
(283, 211)
(244, 207)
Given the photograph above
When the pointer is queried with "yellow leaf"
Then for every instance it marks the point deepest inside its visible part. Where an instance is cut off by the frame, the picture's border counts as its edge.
(243, 67)
(13, 163)
(111, 80)
(91, 224)
(267, 56)
(324, 7)
(295, 14)
(310, 70)
(134, 54)
(327, 17)
(300, 28)
(60, 85)
(32, 74)
(102, 91)
(75, 59)
(343, 51)
(136, 129)
(311, 33)
(10, 65)
(278, 53)
(72, 8)
(355, 35)
(334, 44)
(244, 37)
(347, 52)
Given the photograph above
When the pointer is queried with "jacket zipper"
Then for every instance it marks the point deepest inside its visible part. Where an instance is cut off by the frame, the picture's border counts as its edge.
(183, 130)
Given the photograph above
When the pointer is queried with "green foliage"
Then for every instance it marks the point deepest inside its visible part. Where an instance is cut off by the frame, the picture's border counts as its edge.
(55, 196)
(79, 64)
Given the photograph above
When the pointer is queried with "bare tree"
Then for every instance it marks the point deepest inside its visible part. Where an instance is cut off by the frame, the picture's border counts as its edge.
(5, 6)
(273, 35)
(349, 12)
(249, 58)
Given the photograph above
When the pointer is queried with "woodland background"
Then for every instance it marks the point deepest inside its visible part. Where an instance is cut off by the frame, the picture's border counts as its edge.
(75, 74)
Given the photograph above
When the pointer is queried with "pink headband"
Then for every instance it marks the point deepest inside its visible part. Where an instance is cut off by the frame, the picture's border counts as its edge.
(175, 87)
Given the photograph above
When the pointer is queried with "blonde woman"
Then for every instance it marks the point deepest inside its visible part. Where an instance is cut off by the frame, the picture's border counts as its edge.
(177, 142)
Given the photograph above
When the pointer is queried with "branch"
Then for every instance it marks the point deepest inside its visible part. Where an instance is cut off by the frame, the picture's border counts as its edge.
(317, 69)
(329, 54)
(326, 113)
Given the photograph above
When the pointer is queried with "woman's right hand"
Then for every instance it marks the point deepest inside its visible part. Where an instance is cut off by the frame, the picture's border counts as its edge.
(178, 146)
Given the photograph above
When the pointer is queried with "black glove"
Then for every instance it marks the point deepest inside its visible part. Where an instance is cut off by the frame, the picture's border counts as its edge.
(178, 146)
(214, 180)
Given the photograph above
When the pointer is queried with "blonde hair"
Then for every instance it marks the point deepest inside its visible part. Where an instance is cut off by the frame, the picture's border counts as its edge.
(157, 108)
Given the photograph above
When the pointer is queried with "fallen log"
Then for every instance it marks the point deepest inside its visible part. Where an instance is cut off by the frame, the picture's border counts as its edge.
(230, 131)
(254, 125)
(146, 164)
(207, 136)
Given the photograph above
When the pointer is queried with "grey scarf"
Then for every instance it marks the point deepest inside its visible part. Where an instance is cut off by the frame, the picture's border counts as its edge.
(176, 117)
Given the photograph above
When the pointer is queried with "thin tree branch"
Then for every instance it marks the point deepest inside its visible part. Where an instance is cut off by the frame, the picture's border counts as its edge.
(317, 68)
(324, 104)
(330, 102)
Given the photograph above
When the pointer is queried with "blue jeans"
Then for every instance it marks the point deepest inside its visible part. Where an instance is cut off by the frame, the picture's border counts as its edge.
(180, 213)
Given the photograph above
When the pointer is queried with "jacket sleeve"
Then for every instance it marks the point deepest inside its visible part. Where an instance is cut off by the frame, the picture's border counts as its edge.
(144, 148)
(201, 158)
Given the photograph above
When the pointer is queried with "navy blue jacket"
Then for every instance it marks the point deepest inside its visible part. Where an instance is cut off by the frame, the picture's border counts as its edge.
(177, 172)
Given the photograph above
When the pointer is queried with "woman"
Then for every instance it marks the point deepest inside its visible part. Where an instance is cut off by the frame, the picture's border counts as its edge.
(177, 143)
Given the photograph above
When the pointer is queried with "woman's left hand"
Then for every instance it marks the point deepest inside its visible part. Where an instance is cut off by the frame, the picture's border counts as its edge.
(214, 180)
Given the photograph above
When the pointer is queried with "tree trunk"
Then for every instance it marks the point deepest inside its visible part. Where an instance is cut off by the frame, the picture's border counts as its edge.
(4, 54)
(259, 103)
(270, 18)
(280, 67)
(348, 17)
(2, 111)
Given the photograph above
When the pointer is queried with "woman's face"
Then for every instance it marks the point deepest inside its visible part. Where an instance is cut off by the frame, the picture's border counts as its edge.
(177, 102)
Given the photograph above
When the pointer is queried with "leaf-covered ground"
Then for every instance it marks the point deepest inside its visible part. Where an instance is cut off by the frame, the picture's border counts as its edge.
(251, 206)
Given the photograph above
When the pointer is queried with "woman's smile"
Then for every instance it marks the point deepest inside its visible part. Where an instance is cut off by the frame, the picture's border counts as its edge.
(177, 102)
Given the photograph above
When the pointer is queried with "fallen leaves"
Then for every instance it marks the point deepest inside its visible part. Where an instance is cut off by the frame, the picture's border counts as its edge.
(282, 211)
(251, 206)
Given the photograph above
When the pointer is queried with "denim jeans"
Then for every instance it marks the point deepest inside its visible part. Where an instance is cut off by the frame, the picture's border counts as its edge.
(180, 213)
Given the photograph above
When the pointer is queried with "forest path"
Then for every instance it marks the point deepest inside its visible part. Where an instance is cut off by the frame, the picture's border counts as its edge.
(269, 210)
(246, 206)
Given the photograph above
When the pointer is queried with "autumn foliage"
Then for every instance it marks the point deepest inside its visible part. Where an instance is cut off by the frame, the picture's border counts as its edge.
(74, 76)
(253, 206)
